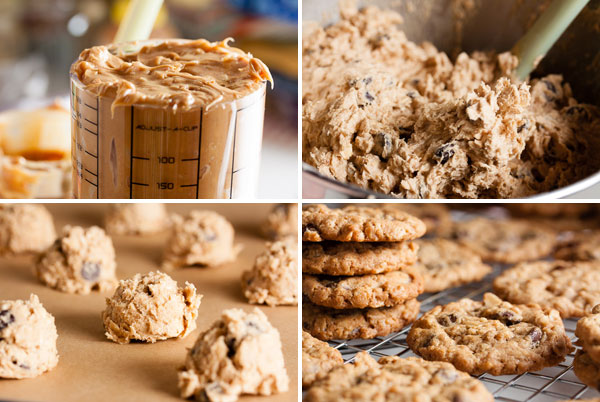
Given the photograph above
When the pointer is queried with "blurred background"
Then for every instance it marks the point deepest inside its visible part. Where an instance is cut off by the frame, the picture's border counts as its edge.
(39, 39)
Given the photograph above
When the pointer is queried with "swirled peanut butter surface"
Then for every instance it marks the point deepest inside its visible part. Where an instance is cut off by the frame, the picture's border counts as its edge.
(173, 73)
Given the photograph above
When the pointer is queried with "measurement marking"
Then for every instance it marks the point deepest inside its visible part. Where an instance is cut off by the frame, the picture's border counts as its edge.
(141, 158)
(90, 154)
(140, 184)
(199, 148)
(91, 107)
(91, 132)
(190, 159)
(90, 172)
(189, 185)
(95, 185)
(131, 159)
(235, 171)
(91, 122)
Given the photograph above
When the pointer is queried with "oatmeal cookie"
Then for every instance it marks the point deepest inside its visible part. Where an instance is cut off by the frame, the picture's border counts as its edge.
(348, 258)
(551, 210)
(437, 217)
(504, 241)
(136, 219)
(572, 288)
(25, 229)
(318, 358)
(445, 264)
(586, 369)
(583, 246)
(396, 379)
(326, 324)
(358, 224)
(492, 336)
(282, 221)
(588, 334)
(366, 291)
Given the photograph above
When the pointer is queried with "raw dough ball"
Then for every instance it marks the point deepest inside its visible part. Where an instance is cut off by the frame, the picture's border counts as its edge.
(238, 354)
(136, 219)
(27, 339)
(274, 278)
(80, 261)
(151, 308)
(200, 238)
(25, 229)
(282, 221)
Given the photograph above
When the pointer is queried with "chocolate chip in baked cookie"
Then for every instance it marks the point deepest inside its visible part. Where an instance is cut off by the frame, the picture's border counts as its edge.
(444, 153)
(6, 318)
(90, 271)
(448, 376)
(447, 319)
(383, 145)
(535, 335)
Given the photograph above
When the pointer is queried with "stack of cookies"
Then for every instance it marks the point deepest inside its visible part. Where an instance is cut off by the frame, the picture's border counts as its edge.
(358, 280)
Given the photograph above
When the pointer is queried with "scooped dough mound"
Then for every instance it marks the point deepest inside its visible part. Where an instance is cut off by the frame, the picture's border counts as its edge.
(200, 238)
(274, 278)
(239, 354)
(27, 339)
(80, 261)
(137, 219)
(151, 308)
(25, 229)
(282, 221)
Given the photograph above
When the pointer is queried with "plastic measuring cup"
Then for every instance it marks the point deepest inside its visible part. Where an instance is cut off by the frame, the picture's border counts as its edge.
(149, 151)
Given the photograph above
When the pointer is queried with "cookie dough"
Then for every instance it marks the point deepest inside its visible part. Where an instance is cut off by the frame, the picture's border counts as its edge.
(505, 241)
(318, 358)
(388, 115)
(201, 238)
(239, 354)
(25, 229)
(572, 288)
(586, 369)
(27, 339)
(327, 324)
(136, 219)
(366, 291)
(358, 224)
(347, 258)
(395, 379)
(274, 278)
(80, 261)
(445, 264)
(588, 334)
(492, 336)
(282, 221)
(150, 308)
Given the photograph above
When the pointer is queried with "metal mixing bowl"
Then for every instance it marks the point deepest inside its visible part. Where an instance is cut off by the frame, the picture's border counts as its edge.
(487, 25)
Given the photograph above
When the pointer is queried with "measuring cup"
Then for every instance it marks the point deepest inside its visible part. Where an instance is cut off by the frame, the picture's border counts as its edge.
(149, 151)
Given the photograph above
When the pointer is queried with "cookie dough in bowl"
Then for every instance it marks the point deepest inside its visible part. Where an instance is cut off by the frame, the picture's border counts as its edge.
(239, 354)
(200, 238)
(136, 219)
(25, 229)
(81, 260)
(27, 339)
(150, 308)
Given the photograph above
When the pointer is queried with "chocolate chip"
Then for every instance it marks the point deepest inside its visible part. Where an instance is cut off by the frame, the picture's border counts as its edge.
(24, 366)
(230, 347)
(208, 237)
(367, 80)
(535, 335)
(90, 271)
(427, 342)
(444, 153)
(411, 94)
(6, 318)
(537, 175)
(352, 82)
(406, 132)
(369, 97)
(447, 320)
(383, 145)
(507, 317)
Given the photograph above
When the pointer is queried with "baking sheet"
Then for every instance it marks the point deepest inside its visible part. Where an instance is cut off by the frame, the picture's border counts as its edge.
(91, 367)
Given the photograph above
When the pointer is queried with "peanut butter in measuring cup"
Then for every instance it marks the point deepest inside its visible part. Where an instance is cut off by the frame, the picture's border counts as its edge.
(167, 119)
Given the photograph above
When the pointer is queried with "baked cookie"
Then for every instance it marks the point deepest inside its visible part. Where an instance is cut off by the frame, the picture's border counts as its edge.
(436, 217)
(552, 210)
(445, 264)
(80, 261)
(366, 291)
(136, 219)
(25, 229)
(396, 379)
(492, 336)
(282, 221)
(583, 246)
(318, 358)
(504, 241)
(588, 333)
(347, 258)
(358, 224)
(27, 339)
(150, 308)
(586, 369)
(274, 278)
(572, 288)
(326, 324)
(239, 354)
(201, 238)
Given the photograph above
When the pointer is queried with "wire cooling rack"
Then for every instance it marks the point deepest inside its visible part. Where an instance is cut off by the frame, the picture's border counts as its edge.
(556, 383)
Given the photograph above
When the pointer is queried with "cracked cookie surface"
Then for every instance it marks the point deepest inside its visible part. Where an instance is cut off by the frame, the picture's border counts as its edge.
(318, 358)
(366, 291)
(359, 224)
(492, 336)
(572, 288)
(327, 324)
(397, 379)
